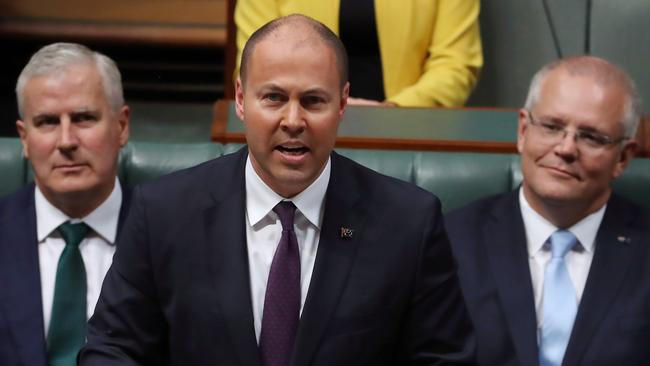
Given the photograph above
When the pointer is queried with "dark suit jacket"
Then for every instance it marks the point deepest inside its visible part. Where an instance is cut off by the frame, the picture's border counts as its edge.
(22, 335)
(178, 292)
(612, 326)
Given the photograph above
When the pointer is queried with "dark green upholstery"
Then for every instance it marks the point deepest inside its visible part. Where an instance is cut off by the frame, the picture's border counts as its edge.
(142, 161)
(457, 178)
(12, 165)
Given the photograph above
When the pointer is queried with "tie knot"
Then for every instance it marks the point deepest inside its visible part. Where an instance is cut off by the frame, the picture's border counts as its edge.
(285, 211)
(73, 234)
(561, 242)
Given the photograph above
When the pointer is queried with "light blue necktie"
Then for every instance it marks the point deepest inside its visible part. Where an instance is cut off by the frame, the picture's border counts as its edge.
(560, 302)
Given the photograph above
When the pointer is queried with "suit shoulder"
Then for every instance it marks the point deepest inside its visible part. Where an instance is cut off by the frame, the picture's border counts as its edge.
(620, 205)
(464, 220)
(16, 202)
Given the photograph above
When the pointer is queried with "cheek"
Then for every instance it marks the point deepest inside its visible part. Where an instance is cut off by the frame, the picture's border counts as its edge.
(38, 148)
(101, 139)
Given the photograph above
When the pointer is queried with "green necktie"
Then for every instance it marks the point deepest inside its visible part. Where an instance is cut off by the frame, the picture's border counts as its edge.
(67, 332)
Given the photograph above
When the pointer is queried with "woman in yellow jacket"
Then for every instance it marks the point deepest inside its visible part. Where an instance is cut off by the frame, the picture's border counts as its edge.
(430, 49)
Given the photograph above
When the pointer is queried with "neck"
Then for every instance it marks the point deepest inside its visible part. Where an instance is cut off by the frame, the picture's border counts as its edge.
(78, 205)
(564, 214)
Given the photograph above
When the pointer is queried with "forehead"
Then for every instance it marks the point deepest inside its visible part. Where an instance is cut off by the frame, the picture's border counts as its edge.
(76, 86)
(580, 98)
(297, 50)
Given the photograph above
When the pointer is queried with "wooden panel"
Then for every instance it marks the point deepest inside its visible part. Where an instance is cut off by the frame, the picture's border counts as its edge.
(198, 12)
(136, 34)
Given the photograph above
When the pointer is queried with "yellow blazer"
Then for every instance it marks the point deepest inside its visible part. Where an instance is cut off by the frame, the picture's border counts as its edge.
(430, 49)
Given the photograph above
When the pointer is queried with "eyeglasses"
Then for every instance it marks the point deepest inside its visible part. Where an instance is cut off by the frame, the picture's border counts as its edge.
(554, 132)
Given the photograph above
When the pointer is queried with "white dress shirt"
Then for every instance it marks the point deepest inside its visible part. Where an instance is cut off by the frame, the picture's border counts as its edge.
(97, 248)
(578, 260)
(264, 230)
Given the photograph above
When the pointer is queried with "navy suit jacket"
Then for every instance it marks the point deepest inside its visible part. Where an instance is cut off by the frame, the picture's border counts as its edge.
(22, 334)
(178, 291)
(612, 326)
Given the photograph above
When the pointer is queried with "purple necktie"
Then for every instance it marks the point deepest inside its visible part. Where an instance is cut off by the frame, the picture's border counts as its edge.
(282, 300)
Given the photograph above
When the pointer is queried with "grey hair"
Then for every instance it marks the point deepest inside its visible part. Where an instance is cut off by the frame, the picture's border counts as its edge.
(603, 72)
(56, 57)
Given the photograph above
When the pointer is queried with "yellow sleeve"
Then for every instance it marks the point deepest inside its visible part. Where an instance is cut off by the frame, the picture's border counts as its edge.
(454, 58)
(249, 16)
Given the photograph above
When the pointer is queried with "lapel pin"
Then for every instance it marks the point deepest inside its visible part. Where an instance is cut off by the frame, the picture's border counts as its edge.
(346, 233)
(623, 239)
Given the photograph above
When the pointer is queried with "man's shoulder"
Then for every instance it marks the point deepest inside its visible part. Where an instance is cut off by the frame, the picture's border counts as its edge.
(619, 205)
(482, 207)
(16, 203)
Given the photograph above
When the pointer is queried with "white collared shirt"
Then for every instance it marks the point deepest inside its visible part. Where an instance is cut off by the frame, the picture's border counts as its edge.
(97, 248)
(578, 260)
(263, 232)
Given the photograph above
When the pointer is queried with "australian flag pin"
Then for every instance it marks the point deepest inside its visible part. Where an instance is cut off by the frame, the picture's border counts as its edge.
(623, 239)
(346, 232)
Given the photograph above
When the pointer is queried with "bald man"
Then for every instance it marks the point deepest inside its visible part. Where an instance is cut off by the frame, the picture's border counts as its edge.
(556, 272)
(283, 253)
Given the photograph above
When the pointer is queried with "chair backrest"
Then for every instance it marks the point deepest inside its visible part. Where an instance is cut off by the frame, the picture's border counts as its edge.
(456, 177)
(144, 161)
(13, 168)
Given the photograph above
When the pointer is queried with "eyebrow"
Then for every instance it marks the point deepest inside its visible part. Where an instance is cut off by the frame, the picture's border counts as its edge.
(46, 115)
(559, 120)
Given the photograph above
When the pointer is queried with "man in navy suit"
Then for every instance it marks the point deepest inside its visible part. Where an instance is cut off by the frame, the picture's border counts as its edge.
(556, 272)
(211, 270)
(57, 235)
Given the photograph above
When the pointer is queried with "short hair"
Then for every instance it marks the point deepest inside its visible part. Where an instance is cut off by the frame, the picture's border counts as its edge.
(56, 57)
(601, 71)
(320, 30)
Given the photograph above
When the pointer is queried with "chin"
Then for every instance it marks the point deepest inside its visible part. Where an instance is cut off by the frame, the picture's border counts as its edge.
(74, 187)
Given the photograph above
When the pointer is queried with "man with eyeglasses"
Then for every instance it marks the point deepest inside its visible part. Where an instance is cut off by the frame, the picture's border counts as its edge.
(557, 272)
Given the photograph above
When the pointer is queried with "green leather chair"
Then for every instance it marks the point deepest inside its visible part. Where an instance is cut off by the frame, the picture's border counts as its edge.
(13, 168)
(457, 178)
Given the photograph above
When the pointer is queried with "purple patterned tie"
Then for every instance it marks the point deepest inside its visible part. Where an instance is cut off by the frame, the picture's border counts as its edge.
(282, 300)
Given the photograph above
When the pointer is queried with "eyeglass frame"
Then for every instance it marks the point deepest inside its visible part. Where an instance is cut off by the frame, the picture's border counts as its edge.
(592, 140)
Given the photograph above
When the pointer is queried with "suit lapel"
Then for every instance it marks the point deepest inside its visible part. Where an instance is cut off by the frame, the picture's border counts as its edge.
(508, 256)
(614, 251)
(334, 259)
(225, 238)
(124, 209)
(19, 263)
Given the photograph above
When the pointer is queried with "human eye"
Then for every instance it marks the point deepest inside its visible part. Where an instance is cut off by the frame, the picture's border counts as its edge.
(45, 120)
(313, 101)
(84, 117)
(550, 127)
(593, 139)
(273, 97)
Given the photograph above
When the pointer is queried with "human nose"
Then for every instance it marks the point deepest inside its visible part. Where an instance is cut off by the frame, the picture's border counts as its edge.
(567, 146)
(67, 136)
(293, 120)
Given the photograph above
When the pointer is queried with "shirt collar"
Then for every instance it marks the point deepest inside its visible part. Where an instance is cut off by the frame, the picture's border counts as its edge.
(538, 229)
(103, 220)
(260, 198)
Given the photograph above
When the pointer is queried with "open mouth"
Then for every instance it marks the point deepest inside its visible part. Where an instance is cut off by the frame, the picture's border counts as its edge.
(292, 150)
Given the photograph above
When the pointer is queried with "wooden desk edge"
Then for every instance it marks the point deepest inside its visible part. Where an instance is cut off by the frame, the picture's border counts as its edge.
(119, 33)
